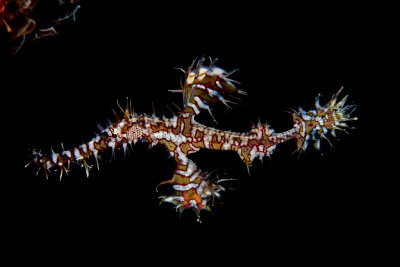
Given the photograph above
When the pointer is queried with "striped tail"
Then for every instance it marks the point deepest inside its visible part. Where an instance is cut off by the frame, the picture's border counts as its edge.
(315, 124)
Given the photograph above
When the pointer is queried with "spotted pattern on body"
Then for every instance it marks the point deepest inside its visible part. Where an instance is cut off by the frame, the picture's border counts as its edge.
(183, 135)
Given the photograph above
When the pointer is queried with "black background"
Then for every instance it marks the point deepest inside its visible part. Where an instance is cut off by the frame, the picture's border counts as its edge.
(315, 206)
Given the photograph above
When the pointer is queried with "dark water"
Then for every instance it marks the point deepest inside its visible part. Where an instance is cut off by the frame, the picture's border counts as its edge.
(292, 208)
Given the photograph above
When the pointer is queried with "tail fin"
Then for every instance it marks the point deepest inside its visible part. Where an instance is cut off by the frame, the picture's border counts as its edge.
(314, 124)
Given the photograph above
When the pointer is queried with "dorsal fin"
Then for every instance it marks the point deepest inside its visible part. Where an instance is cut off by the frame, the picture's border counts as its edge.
(206, 85)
